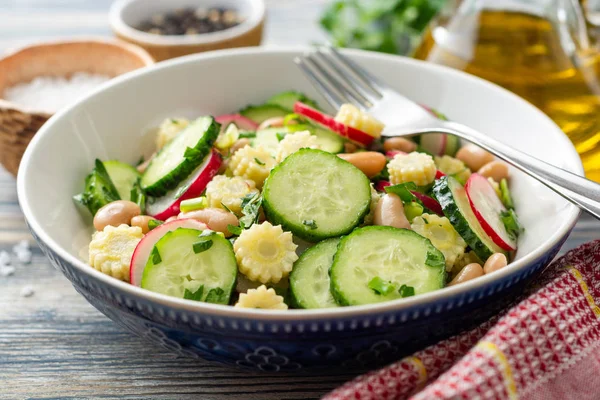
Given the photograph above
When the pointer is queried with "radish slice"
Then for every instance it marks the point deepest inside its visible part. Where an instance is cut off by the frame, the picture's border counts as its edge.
(240, 121)
(487, 208)
(381, 185)
(435, 143)
(144, 247)
(439, 174)
(393, 153)
(357, 136)
(428, 202)
(193, 186)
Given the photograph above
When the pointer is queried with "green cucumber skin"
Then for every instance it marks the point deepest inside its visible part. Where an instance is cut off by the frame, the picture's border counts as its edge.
(338, 292)
(296, 287)
(298, 229)
(224, 263)
(286, 100)
(329, 141)
(123, 176)
(263, 112)
(173, 178)
(443, 194)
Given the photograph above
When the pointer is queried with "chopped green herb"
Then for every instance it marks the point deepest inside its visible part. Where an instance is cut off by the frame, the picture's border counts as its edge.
(256, 160)
(435, 260)
(156, 259)
(511, 223)
(174, 121)
(137, 196)
(247, 135)
(505, 196)
(235, 230)
(310, 223)
(280, 135)
(250, 209)
(226, 208)
(406, 291)
(403, 190)
(216, 296)
(202, 246)
(109, 186)
(153, 223)
(196, 296)
(194, 204)
(140, 161)
(380, 286)
(181, 191)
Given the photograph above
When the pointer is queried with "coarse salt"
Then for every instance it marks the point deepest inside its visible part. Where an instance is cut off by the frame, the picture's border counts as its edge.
(6, 270)
(50, 93)
(27, 291)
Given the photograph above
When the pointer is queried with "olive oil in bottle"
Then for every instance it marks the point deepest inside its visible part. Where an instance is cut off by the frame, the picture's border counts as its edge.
(527, 54)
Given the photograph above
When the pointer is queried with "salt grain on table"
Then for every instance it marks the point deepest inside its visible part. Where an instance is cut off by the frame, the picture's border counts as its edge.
(50, 93)
(27, 291)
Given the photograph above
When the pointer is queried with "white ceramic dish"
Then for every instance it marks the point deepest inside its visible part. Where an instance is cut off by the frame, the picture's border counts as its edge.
(116, 122)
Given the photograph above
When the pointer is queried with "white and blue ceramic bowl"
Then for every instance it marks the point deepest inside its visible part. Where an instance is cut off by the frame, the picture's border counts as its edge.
(116, 122)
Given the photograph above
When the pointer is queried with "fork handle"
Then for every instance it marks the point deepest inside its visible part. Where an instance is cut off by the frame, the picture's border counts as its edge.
(577, 189)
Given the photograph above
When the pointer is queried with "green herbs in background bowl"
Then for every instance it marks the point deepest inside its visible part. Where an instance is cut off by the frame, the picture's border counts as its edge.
(388, 26)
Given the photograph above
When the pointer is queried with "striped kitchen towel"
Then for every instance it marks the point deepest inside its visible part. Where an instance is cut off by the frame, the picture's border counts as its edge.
(546, 347)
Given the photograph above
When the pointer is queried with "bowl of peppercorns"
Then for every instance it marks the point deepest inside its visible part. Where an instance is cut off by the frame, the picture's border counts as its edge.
(168, 29)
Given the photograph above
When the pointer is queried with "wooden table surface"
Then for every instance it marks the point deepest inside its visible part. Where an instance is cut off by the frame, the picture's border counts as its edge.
(53, 344)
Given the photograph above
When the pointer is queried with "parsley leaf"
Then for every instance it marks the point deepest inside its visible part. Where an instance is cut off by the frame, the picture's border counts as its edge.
(250, 209)
(226, 208)
(280, 135)
(202, 246)
(381, 287)
(406, 291)
(155, 255)
(153, 223)
(196, 296)
(435, 260)
(216, 296)
(511, 223)
(403, 190)
(235, 230)
(256, 160)
(190, 152)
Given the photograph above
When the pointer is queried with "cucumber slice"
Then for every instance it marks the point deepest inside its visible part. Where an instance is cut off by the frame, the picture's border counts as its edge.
(268, 138)
(123, 176)
(316, 195)
(328, 141)
(309, 280)
(180, 156)
(286, 100)
(452, 145)
(99, 189)
(187, 263)
(398, 256)
(454, 201)
(263, 112)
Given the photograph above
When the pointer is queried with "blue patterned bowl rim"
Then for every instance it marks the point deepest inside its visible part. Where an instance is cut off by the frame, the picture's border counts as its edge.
(570, 215)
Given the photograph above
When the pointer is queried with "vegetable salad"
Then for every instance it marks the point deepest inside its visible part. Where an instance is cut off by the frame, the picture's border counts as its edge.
(283, 206)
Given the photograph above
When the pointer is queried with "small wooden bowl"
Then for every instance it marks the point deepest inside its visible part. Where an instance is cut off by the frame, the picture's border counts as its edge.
(18, 123)
(125, 15)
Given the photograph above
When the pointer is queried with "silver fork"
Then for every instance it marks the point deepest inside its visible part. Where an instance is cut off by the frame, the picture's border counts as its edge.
(341, 80)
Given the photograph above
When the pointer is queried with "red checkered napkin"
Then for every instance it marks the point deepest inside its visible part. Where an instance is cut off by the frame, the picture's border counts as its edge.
(546, 347)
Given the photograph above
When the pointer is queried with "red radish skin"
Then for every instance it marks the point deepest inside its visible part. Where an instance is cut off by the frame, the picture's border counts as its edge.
(355, 135)
(381, 185)
(439, 174)
(240, 121)
(435, 143)
(429, 202)
(168, 206)
(477, 182)
(144, 247)
(393, 153)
